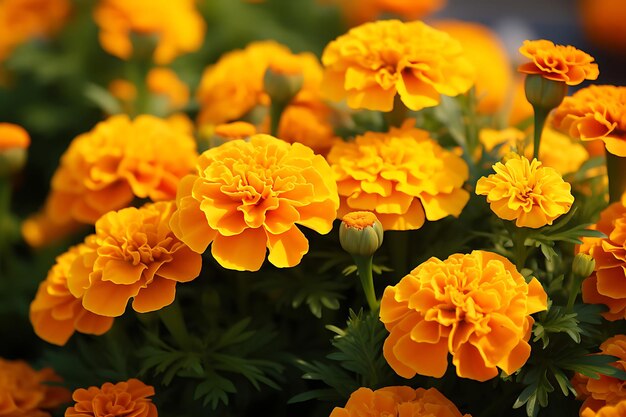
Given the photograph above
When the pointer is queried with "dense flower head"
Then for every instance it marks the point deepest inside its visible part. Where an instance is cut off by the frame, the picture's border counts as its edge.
(55, 313)
(403, 176)
(400, 401)
(134, 254)
(308, 123)
(361, 11)
(617, 410)
(177, 27)
(527, 192)
(595, 112)
(129, 398)
(120, 159)
(607, 284)
(558, 62)
(476, 307)
(373, 62)
(248, 196)
(25, 392)
(13, 136)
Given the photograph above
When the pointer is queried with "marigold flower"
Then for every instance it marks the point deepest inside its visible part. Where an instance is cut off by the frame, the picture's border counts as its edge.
(161, 82)
(120, 159)
(617, 410)
(128, 398)
(374, 61)
(13, 136)
(476, 307)
(360, 233)
(603, 23)
(361, 11)
(25, 392)
(40, 230)
(403, 176)
(398, 401)
(235, 130)
(558, 62)
(55, 313)
(248, 196)
(134, 254)
(595, 112)
(308, 123)
(526, 192)
(177, 27)
(606, 285)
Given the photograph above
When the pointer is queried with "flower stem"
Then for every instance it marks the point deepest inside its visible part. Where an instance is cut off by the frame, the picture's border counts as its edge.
(541, 115)
(364, 269)
(173, 320)
(276, 112)
(616, 168)
(520, 251)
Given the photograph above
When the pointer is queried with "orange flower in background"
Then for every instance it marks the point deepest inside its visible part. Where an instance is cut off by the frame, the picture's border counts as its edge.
(176, 27)
(558, 62)
(128, 398)
(603, 22)
(235, 130)
(476, 307)
(606, 284)
(120, 159)
(248, 196)
(595, 112)
(40, 230)
(361, 11)
(606, 390)
(308, 124)
(373, 62)
(25, 392)
(162, 83)
(55, 313)
(134, 254)
(13, 136)
(617, 410)
(403, 176)
(397, 402)
(526, 192)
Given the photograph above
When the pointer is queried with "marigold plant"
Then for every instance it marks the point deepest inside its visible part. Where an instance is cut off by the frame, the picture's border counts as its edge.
(129, 398)
(617, 410)
(476, 307)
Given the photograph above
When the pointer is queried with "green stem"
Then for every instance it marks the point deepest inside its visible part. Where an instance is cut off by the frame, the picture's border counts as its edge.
(276, 112)
(574, 289)
(364, 269)
(520, 251)
(540, 120)
(397, 115)
(174, 322)
(616, 168)
(6, 219)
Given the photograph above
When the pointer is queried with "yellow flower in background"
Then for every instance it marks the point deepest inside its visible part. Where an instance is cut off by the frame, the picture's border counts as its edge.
(308, 123)
(361, 11)
(526, 192)
(120, 159)
(403, 176)
(595, 112)
(55, 313)
(603, 23)
(235, 130)
(248, 196)
(175, 26)
(129, 398)
(373, 62)
(476, 307)
(484, 49)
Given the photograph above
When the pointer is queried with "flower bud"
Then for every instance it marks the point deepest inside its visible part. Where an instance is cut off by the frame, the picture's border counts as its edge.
(543, 93)
(583, 265)
(282, 86)
(14, 141)
(360, 233)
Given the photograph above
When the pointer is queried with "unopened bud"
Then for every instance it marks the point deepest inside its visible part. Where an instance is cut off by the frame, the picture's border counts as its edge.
(282, 86)
(360, 233)
(543, 93)
(583, 265)
(14, 141)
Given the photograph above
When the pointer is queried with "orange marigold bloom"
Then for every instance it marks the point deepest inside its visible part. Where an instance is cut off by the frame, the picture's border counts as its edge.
(134, 254)
(361, 11)
(526, 192)
(248, 196)
(403, 176)
(165, 82)
(606, 285)
(618, 410)
(13, 136)
(120, 159)
(374, 61)
(176, 26)
(55, 313)
(235, 130)
(128, 398)
(40, 230)
(603, 22)
(25, 392)
(558, 62)
(595, 112)
(397, 402)
(476, 307)
(309, 123)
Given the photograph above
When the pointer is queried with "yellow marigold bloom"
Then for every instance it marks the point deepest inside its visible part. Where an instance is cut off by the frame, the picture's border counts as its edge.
(558, 62)
(373, 62)
(55, 313)
(128, 398)
(248, 196)
(526, 192)
(134, 255)
(308, 123)
(403, 176)
(24, 392)
(606, 285)
(235, 130)
(618, 410)
(120, 159)
(476, 307)
(177, 27)
(13, 136)
(606, 390)
(361, 11)
(595, 112)
(398, 401)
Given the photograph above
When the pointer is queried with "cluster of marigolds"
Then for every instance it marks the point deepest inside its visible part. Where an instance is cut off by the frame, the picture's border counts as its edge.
(249, 195)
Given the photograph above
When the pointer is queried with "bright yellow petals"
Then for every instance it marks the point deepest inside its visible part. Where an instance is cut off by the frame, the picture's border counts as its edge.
(176, 27)
(526, 192)
(558, 62)
(403, 176)
(595, 112)
(134, 255)
(128, 398)
(476, 307)
(372, 63)
(248, 196)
